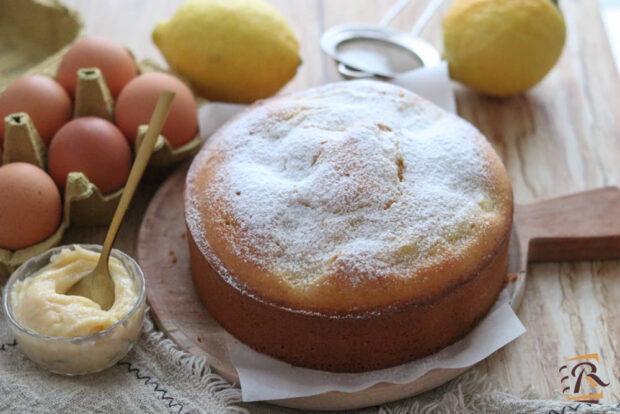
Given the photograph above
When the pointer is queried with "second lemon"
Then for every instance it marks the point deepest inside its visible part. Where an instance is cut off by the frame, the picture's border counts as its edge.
(502, 47)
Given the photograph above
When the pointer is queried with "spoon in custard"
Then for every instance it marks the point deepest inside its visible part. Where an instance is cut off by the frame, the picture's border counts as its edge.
(98, 285)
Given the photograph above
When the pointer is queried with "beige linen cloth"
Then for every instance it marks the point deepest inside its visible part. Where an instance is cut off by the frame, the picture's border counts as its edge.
(158, 377)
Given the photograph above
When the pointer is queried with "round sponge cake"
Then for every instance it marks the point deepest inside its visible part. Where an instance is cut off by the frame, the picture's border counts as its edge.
(349, 227)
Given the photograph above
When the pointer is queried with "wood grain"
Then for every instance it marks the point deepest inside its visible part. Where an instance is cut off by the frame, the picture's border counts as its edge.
(582, 226)
(561, 137)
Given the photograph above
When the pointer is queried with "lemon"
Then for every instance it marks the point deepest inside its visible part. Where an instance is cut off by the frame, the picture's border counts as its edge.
(502, 47)
(230, 50)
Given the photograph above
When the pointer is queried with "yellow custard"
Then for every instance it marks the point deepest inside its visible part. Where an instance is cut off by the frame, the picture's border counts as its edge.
(41, 305)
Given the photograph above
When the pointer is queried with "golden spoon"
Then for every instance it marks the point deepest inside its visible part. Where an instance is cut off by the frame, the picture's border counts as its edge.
(98, 285)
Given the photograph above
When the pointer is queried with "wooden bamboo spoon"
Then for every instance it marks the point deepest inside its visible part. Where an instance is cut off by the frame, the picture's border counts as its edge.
(98, 285)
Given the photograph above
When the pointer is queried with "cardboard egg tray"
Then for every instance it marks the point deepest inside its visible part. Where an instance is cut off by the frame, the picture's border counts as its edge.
(83, 203)
(26, 46)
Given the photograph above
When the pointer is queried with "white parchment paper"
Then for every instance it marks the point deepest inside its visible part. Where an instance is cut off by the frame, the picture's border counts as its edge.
(264, 378)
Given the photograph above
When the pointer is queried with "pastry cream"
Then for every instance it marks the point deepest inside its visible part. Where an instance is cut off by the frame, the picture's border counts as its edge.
(54, 329)
(41, 305)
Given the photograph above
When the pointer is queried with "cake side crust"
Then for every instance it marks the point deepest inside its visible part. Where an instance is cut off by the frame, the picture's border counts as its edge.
(351, 343)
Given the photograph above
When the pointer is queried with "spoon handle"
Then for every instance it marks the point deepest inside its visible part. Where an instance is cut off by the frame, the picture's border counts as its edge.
(137, 170)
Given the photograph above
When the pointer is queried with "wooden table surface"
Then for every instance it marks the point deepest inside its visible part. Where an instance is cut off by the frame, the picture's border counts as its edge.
(563, 136)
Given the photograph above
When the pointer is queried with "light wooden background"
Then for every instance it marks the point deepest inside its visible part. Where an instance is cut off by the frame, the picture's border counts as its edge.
(561, 137)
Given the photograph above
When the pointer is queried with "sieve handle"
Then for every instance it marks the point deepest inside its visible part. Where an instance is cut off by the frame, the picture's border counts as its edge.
(393, 12)
(425, 17)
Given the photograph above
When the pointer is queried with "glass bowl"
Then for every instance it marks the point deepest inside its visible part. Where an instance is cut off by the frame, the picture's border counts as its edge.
(82, 354)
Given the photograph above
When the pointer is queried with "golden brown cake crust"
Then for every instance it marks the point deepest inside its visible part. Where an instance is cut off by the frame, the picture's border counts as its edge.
(409, 274)
(351, 343)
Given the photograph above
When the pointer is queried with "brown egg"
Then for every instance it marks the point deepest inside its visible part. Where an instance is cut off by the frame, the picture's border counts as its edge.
(114, 61)
(31, 209)
(45, 101)
(94, 147)
(137, 101)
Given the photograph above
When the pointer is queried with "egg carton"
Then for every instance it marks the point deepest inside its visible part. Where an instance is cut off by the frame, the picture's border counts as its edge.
(26, 45)
(84, 204)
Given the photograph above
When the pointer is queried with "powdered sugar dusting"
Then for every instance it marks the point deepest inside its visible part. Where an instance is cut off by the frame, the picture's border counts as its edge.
(359, 179)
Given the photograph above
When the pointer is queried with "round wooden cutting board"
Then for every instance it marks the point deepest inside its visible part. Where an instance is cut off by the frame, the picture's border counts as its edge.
(577, 227)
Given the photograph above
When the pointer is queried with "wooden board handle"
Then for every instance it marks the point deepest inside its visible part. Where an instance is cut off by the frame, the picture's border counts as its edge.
(583, 226)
